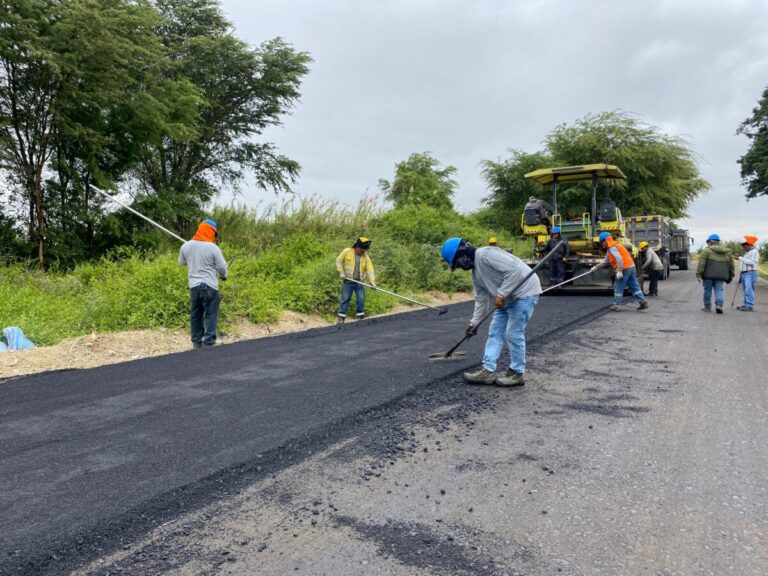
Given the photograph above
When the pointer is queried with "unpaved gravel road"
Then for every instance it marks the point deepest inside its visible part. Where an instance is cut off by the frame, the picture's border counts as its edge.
(637, 447)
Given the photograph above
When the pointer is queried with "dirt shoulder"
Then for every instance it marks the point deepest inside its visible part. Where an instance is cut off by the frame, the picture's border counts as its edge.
(637, 447)
(98, 349)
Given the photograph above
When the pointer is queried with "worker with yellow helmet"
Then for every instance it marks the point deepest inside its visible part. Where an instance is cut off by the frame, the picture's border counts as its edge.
(492, 241)
(354, 266)
(652, 266)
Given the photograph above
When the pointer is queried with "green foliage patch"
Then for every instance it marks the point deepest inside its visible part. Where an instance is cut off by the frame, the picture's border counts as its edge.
(280, 259)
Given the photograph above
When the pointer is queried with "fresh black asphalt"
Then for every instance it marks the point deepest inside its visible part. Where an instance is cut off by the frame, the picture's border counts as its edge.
(90, 458)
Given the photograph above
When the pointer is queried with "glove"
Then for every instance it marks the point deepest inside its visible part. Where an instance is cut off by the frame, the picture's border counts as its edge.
(593, 268)
(698, 279)
(619, 275)
(471, 330)
(342, 276)
(373, 286)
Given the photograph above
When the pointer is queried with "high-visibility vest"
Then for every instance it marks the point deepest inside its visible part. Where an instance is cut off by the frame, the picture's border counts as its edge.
(625, 255)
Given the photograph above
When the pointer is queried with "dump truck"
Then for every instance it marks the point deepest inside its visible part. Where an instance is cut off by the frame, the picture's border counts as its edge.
(581, 232)
(670, 243)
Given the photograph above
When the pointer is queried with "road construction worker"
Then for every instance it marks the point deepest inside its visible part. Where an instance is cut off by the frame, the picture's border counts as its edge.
(557, 261)
(715, 270)
(354, 265)
(537, 212)
(504, 281)
(748, 266)
(653, 266)
(624, 268)
(492, 241)
(205, 265)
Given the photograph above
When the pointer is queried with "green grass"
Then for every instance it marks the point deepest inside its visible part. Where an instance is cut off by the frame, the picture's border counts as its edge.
(283, 260)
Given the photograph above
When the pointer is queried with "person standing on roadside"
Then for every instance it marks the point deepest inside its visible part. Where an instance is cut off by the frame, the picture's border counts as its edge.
(354, 264)
(205, 265)
(748, 266)
(715, 270)
(653, 265)
(557, 261)
(624, 268)
(495, 274)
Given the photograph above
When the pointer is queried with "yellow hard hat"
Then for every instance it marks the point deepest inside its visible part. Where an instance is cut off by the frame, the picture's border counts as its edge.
(492, 241)
(642, 245)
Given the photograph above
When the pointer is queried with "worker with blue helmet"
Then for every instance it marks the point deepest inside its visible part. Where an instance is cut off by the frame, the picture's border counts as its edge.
(625, 272)
(557, 261)
(504, 281)
(716, 269)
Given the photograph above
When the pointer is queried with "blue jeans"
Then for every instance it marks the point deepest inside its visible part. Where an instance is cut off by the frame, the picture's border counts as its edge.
(748, 280)
(719, 286)
(509, 324)
(628, 279)
(347, 289)
(204, 314)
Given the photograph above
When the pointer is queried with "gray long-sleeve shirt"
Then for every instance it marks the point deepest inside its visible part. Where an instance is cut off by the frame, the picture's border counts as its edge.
(205, 263)
(497, 272)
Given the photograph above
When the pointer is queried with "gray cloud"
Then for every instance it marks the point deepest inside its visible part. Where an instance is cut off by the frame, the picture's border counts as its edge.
(469, 79)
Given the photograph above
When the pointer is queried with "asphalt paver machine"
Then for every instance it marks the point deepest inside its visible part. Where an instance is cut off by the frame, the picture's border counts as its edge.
(582, 232)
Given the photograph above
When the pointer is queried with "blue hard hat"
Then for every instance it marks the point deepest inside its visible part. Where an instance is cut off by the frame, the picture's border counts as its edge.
(604, 236)
(556, 230)
(211, 222)
(713, 238)
(449, 249)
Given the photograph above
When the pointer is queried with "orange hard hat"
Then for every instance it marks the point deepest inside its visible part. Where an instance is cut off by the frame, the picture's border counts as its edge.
(749, 239)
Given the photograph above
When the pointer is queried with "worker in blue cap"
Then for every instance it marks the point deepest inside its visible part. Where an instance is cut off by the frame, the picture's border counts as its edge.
(715, 270)
(503, 281)
(205, 266)
(557, 261)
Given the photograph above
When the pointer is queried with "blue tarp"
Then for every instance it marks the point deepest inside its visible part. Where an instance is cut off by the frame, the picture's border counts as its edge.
(15, 340)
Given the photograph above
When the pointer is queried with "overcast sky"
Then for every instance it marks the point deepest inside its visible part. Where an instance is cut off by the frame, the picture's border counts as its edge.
(467, 80)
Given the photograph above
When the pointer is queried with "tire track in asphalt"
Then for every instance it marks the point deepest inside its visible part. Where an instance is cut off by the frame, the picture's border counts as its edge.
(93, 458)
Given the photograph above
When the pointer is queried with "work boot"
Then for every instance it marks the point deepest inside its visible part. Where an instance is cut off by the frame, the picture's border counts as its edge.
(615, 307)
(340, 320)
(719, 308)
(360, 316)
(706, 309)
(197, 345)
(643, 305)
(480, 376)
(744, 308)
(510, 379)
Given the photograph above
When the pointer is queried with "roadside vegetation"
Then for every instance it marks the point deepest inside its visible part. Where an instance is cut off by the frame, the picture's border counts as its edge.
(281, 259)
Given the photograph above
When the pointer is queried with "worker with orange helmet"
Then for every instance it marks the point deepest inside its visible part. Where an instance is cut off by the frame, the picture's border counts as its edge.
(748, 264)
(624, 267)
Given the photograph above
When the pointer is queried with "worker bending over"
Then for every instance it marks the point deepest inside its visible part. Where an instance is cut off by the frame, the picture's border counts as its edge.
(624, 268)
(354, 264)
(495, 273)
(653, 265)
(205, 265)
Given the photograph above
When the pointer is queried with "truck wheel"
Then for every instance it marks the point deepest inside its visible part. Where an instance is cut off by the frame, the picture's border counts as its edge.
(683, 264)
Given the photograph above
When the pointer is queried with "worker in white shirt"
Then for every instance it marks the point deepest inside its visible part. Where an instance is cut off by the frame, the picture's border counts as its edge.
(748, 264)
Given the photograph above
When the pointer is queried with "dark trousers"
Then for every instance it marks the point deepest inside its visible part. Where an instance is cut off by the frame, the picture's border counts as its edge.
(653, 281)
(204, 314)
(556, 270)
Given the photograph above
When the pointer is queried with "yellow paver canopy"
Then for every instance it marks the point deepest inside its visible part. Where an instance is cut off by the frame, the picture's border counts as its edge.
(575, 173)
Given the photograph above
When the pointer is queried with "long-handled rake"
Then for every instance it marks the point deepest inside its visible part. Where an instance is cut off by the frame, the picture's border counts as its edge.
(440, 311)
(473, 332)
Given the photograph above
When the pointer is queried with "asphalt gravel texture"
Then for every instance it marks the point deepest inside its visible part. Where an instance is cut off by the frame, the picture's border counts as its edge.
(92, 459)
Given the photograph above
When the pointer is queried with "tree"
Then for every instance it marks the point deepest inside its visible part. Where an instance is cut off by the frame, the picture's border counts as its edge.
(420, 180)
(662, 171)
(242, 92)
(509, 189)
(68, 70)
(754, 164)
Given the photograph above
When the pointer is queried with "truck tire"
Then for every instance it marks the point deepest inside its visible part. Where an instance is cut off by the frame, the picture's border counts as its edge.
(683, 263)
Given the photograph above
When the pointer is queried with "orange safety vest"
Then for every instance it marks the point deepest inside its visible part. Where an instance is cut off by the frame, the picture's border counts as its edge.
(625, 255)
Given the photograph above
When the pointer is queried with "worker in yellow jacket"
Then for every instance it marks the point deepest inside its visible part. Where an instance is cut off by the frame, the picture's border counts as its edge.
(354, 264)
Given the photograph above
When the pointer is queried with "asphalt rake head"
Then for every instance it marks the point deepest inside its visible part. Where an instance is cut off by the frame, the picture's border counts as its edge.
(442, 355)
